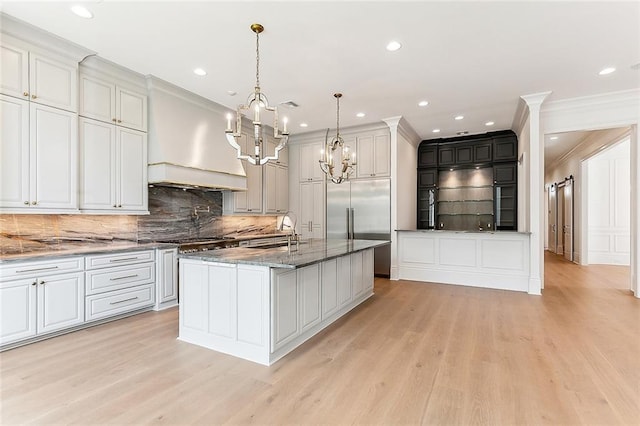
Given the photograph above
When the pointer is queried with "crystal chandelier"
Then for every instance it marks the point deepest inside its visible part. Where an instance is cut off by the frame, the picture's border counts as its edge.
(337, 160)
(257, 102)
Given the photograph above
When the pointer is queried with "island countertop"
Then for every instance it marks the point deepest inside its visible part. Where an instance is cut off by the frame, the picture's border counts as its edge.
(308, 252)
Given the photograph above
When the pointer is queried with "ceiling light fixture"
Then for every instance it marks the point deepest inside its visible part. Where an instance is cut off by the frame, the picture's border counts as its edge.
(257, 101)
(360, 114)
(607, 70)
(200, 72)
(304, 125)
(436, 130)
(393, 46)
(489, 123)
(553, 138)
(423, 103)
(82, 12)
(458, 117)
(336, 148)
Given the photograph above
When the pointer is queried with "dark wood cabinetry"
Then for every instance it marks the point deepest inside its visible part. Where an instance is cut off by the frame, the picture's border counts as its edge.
(495, 152)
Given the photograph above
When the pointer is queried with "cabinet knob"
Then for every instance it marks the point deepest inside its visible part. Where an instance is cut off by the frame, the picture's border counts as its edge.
(113, 119)
(115, 205)
(33, 96)
(25, 93)
(33, 203)
(119, 205)
(119, 121)
(26, 203)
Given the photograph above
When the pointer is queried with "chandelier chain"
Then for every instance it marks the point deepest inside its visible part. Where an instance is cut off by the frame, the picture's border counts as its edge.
(338, 117)
(257, 59)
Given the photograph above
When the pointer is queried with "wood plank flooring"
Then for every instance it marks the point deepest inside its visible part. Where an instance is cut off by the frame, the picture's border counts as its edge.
(415, 353)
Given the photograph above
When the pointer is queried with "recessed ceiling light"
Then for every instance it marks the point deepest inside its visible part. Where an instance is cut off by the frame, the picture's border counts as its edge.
(231, 93)
(436, 130)
(461, 133)
(489, 123)
(607, 70)
(200, 72)
(304, 125)
(82, 12)
(360, 114)
(393, 46)
(423, 103)
(553, 138)
(458, 117)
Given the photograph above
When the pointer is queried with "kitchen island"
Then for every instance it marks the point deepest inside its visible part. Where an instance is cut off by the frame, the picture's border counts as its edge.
(261, 303)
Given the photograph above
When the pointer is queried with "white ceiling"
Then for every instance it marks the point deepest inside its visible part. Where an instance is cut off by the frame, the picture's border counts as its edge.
(470, 58)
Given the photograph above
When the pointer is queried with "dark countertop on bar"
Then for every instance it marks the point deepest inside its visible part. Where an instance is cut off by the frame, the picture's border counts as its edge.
(308, 252)
(77, 248)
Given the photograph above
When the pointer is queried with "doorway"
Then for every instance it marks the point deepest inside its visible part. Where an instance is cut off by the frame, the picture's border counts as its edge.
(561, 213)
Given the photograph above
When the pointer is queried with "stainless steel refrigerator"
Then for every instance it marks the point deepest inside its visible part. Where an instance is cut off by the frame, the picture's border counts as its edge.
(361, 209)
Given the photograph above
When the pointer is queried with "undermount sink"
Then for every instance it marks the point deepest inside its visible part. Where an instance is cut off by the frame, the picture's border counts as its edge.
(268, 246)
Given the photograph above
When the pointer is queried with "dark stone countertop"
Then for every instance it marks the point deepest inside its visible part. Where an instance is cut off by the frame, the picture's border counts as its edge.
(307, 253)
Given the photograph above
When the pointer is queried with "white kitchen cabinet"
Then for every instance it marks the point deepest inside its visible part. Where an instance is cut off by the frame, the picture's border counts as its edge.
(276, 188)
(40, 297)
(357, 278)
(39, 78)
(113, 168)
(343, 267)
(39, 166)
(104, 100)
(222, 296)
(310, 296)
(284, 296)
(166, 278)
(329, 291)
(368, 270)
(283, 156)
(309, 156)
(312, 210)
(373, 155)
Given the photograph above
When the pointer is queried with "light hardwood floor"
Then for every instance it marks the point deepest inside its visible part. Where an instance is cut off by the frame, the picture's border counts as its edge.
(414, 353)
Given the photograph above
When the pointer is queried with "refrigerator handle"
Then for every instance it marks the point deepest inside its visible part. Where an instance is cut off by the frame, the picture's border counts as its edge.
(348, 224)
(353, 234)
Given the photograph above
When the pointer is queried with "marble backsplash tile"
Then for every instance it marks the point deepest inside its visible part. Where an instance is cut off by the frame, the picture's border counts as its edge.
(174, 215)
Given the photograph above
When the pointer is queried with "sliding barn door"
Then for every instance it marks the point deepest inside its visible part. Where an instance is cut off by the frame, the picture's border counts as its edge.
(568, 220)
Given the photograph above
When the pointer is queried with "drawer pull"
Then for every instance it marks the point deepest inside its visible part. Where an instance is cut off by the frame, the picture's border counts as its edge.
(123, 278)
(124, 300)
(37, 269)
(123, 260)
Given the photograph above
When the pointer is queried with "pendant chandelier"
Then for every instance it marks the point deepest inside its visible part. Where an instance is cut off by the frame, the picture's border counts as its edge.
(258, 103)
(337, 160)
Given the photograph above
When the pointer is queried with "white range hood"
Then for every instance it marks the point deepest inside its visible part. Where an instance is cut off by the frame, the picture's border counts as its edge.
(187, 143)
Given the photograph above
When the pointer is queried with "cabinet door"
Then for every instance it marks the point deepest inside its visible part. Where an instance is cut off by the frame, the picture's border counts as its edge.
(365, 156)
(329, 292)
(222, 300)
(505, 148)
(132, 173)
(464, 154)
(482, 152)
(506, 207)
(14, 78)
(254, 188)
(427, 156)
(60, 302)
(309, 166)
(505, 173)
(53, 83)
(382, 155)
(446, 156)
(282, 189)
(284, 298)
(167, 276)
(17, 310)
(97, 165)
(54, 170)
(368, 270)
(343, 268)
(309, 284)
(194, 297)
(131, 109)
(427, 178)
(270, 188)
(14, 152)
(357, 278)
(97, 99)
(307, 214)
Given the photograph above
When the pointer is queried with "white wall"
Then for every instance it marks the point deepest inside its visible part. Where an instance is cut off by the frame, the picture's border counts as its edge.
(523, 177)
(609, 205)
(570, 164)
(406, 179)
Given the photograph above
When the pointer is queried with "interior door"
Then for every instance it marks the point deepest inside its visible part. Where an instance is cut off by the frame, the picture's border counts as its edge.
(568, 220)
(559, 220)
(553, 219)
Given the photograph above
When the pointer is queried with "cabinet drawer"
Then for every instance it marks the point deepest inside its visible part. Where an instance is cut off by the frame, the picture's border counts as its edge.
(127, 258)
(118, 302)
(115, 278)
(48, 267)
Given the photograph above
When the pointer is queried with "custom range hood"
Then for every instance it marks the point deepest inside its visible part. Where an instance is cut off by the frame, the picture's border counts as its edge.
(187, 145)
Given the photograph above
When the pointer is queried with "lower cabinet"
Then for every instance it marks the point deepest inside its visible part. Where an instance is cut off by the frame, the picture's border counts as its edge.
(37, 298)
(166, 278)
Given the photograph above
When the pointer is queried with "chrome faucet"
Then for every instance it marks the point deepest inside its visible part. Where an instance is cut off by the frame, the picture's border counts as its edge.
(289, 220)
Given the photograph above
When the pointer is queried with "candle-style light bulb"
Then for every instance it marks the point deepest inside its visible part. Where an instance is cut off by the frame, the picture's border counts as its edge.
(284, 124)
(228, 122)
(256, 116)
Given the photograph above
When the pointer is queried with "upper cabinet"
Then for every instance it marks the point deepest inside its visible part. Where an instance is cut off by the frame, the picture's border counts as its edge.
(309, 156)
(107, 101)
(42, 79)
(373, 155)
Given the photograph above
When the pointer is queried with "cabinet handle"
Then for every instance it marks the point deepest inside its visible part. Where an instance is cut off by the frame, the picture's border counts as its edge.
(124, 300)
(119, 121)
(34, 283)
(42, 282)
(26, 203)
(115, 205)
(122, 278)
(25, 93)
(113, 119)
(122, 260)
(33, 96)
(37, 269)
